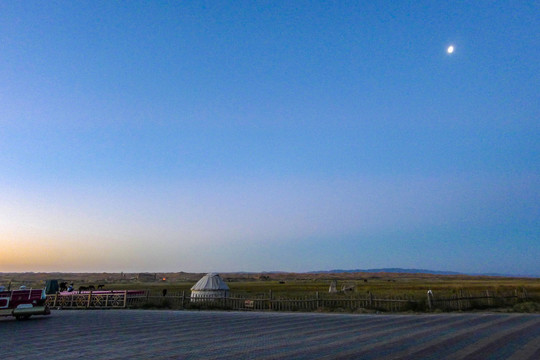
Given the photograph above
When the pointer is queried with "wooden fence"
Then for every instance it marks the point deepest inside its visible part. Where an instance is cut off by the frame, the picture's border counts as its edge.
(466, 300)
(313, 302)
(88, 301)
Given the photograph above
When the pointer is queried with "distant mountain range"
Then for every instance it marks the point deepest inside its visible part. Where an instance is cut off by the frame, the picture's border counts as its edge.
(388, 270)
(413, 271)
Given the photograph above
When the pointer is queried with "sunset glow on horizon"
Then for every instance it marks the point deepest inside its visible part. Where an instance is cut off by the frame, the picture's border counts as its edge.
(307, 136)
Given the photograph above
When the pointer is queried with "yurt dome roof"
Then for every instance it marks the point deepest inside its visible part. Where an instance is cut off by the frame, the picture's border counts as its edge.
(210, 282)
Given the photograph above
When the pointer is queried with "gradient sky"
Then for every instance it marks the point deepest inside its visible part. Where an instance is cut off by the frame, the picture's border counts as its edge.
(269, 135)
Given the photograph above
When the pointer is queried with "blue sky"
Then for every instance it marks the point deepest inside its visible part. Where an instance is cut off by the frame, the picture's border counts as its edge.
(257, 136)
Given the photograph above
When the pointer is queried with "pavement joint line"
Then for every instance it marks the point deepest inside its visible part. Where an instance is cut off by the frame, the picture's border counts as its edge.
(479, 345)
(414, 333)
(186, 334)
(365, 337)
(426, 345)
(528, 351)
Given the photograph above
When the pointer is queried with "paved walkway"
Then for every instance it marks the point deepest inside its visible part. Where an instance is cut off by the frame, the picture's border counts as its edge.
(146, 334)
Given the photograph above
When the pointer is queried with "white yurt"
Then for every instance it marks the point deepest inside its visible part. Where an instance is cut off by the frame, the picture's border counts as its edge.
(209, 286)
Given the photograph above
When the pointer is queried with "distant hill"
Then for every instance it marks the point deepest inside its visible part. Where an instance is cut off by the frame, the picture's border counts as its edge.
(393, 270)
(417, 271)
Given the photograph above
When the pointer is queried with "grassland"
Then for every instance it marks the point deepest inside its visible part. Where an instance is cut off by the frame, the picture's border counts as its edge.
(295, 284)
(411, 288)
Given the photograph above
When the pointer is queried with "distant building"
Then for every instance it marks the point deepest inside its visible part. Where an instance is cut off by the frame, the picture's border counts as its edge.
(146, 277)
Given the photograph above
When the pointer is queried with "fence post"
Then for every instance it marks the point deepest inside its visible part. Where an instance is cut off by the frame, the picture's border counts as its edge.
(183, 298)
(370, 300)
(430, 300)
(318, 301)
(89, 299)
(125, 298)
(55, 299)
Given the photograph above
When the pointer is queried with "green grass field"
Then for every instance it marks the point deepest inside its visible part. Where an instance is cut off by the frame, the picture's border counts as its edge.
(294, 285)
(416, 288)
(409, 287)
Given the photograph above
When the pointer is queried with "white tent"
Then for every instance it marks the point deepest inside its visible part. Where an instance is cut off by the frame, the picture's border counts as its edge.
(333, 287)
(209, 286)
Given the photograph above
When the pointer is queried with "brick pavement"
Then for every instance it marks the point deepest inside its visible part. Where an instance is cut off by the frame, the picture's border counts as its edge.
(145, 334)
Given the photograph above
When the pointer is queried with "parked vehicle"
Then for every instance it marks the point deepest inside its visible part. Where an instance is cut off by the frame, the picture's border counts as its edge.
(23, 303)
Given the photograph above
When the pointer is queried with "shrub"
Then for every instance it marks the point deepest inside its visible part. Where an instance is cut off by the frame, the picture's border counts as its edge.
(166, 304)
(416, 306)
(207, 305)
(527, 307)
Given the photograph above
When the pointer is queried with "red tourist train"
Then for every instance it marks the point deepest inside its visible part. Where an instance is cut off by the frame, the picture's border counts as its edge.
(23, 303)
